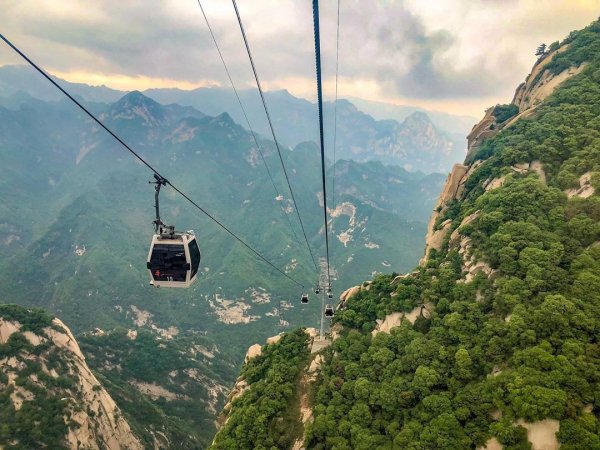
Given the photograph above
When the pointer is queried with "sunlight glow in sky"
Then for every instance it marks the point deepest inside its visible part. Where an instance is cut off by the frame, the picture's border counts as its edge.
(458, 56)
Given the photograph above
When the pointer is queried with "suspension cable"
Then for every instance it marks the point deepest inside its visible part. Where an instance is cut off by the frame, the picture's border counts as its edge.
(262, 97)
(143, 161)
(321, 140)
(258, 146)
(335, 105)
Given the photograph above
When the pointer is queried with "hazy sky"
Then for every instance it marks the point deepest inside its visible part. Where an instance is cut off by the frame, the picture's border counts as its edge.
(458, 56)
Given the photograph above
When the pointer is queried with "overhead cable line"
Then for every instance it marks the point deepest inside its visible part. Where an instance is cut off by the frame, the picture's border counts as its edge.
(335, 105)
(143, 161)
(262, 97)
(258, 146)
(321, 140)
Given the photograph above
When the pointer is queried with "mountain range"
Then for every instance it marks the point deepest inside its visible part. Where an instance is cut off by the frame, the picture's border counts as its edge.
(413, 142)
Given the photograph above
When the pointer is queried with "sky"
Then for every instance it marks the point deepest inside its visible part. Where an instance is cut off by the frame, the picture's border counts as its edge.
(457, 56)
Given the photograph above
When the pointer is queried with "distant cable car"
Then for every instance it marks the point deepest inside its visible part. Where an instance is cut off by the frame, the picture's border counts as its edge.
(174, 257)
(304, 298)
(329, 311)
(317, 290)
(329, 293)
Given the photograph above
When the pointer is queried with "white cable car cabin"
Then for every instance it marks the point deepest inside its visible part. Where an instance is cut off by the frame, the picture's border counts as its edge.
(173, 260)
(304, 298)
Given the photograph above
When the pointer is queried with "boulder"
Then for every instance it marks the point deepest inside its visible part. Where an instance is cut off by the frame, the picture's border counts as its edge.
(6, 329)
(391, 320)
(491, 444)
(253, 351)
(274, 339)
(466, 221)
(542, 434)
(585, 189)
(349, 293)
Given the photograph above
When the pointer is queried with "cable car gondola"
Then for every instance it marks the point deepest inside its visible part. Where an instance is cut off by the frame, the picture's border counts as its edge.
(317, 289)
(174, 257)
(329, 311)
(329, 293)
(304, 298)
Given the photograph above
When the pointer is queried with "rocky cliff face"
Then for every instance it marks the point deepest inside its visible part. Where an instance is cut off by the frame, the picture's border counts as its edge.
(45, 380)
(538, 85)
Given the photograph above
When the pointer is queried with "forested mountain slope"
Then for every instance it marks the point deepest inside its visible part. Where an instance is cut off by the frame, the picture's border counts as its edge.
(492, 342)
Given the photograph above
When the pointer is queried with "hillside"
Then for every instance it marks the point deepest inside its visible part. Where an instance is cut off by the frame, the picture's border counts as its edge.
(49, 397)
(169, 387)
(492, 341)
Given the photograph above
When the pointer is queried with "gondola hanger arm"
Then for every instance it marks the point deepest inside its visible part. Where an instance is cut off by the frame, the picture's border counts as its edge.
(159, 226)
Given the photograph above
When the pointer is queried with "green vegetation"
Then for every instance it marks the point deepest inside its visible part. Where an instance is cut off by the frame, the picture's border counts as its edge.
(583, 47)
(15, 344)
(504, 112)
(257, 418)
(519, 345)
(518, 341)
(34, 320)
(39, 422)
(175, 365)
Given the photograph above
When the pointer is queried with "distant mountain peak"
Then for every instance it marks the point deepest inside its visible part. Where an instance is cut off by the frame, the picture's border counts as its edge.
(223, 120)
(135, 105)
(225, 117)
(418, 116)
(346, 104)
(136, 98)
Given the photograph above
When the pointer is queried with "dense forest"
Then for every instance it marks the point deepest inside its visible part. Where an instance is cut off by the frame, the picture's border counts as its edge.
(263, 417)
(513, 344)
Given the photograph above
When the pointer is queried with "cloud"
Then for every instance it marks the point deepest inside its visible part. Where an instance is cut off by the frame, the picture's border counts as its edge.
(398, 50)
(406, 57)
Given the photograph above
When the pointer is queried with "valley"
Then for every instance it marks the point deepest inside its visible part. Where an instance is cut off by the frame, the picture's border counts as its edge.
(78, 225)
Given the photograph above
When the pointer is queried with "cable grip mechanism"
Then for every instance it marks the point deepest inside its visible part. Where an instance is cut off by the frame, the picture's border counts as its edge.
(165, 231)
